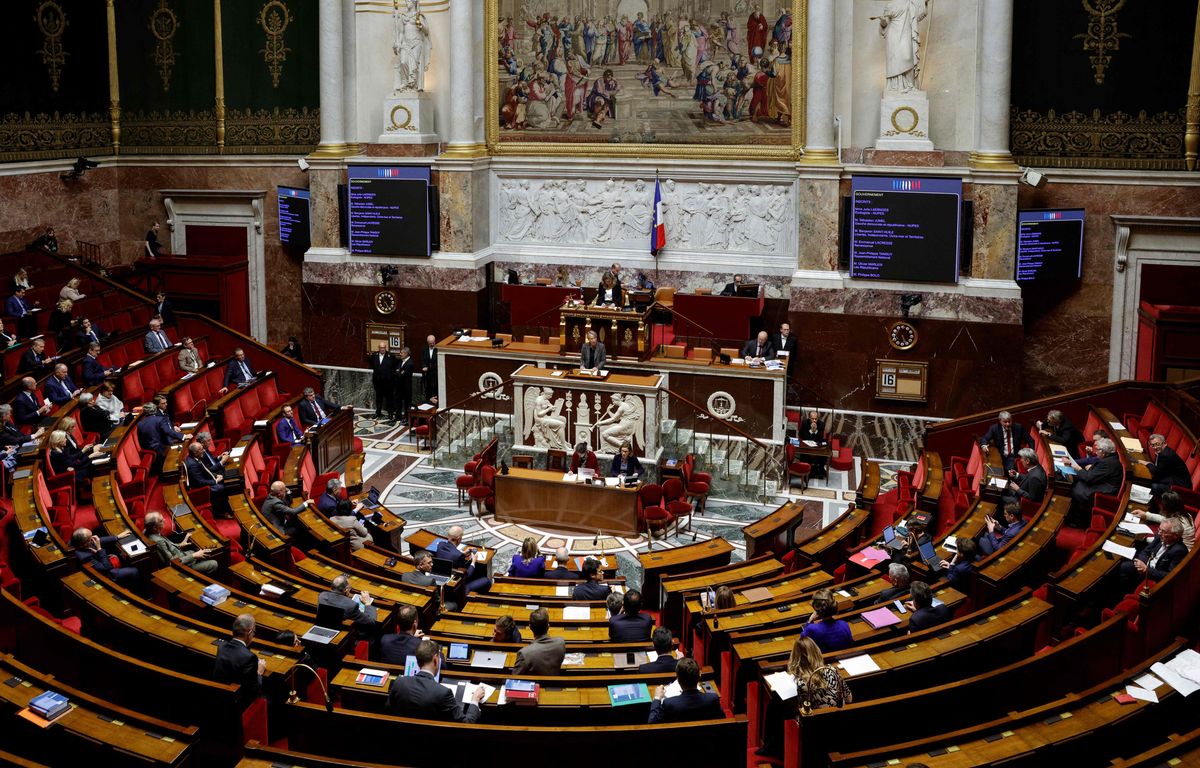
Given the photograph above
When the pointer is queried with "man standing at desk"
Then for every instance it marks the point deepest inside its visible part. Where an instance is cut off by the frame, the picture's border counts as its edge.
(383, 372)
(236, 663)
(759, 348)
(404, 376)
(784, 341)
(1009, 437)
(591, 356)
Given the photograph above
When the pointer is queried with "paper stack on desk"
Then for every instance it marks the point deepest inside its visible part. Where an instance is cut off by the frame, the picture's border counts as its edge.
(576, 613)
(880, 617)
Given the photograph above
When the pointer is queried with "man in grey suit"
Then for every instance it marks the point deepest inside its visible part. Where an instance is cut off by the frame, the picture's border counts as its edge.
(277, 511)
(591, 356)
(544, 656)
(359, 610)
(422, 696)
(155, 340)
(169, 551)
(421, 577)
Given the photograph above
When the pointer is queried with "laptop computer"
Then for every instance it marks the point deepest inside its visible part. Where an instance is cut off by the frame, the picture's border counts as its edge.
(322, 635)
(930, 556)
(458, 652)
(372, 500)
(488, 659)
(443, 571)
(585, 473)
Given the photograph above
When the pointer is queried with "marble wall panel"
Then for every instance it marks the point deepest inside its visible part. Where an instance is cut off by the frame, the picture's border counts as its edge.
(366, 273)
(80, 209)
(588, 276)
(456, 201)
(995, 226)
(886, 303)
(817, 246)
(323, 206)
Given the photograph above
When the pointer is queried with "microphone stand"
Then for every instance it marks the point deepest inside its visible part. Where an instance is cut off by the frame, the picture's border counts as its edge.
(293, 697)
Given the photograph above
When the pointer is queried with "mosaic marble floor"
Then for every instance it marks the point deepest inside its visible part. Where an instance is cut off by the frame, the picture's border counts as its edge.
(426, 497)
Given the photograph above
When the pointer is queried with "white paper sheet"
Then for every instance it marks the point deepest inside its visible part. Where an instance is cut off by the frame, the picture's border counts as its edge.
(576, 613)
(1117, 426)
(859, 665)
(562, 591)
(673, 690)
(1149, 682)
(1137, 528)
(1117, 549)
(783, 684)
(1176, 681)
(1141, 693)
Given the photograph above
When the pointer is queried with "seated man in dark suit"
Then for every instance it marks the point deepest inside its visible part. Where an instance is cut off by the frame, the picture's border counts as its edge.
(16, 306)
(1058, 428)
(959, 569)
(730, 289)
(562, 559)
(812, 429)
(422, 696)
(630, 625)
(60, 388)
(236, 663)
(582, 457)
(1105, 476)
(357, 608)
(28, 407)
(96, 550)
(204, 471)
(92, 417)
(155, 431)
(10, 435)
(543, 656)
(900, 578)
(94, 371)
(287, 429)
(997, 536)
(1166, 468)
(1157, 557)
(313, 409)
(327, 502)
(278, 512)
(34, 360)
(448, 549)
(591, 588)
(1031, 485)
(666, 660)
(690, 704)
(759, 348)
(396, 647)
(421, 578)
(924, 614)
(1008, 437)
(239, 370)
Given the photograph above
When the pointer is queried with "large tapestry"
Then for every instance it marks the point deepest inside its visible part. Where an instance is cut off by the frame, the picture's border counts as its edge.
(1101, 83)
(645, 77)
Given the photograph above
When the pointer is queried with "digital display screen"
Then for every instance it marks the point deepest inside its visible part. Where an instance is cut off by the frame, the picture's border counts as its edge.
(389, 210)
(905, 228)
(1049, 244)
(293, 217)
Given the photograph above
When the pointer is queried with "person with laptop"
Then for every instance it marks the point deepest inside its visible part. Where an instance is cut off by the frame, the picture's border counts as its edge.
(422, 696)
(423, 577)
(544, 656)
(959, 568)
(169, 551)
(396, 647)
(630, 625)
(357, 608)
(461, 557)
(915, 538)
(591, 588)
(998, 535)
(924, 613)
(900, 577)
(327, 502)
(584, 458)
(691, 703)
(664, 647)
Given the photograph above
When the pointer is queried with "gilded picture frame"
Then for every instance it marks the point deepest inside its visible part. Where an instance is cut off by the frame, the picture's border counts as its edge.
(621, 139)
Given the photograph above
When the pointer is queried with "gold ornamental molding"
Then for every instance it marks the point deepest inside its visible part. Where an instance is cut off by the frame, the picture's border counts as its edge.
(163, 25)
(43, 136)
(52, 22)
(464, 151)
(905, 125)
(1119, 140)
(274, 18)
(260, 131)
(1102, 36)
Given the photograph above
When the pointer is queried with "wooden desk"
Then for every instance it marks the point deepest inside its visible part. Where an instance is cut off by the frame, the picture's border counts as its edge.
(473, 628)
(1130, 458)
(830, 546)
(541, 498)
(675, 588)
(536, 304)
(716, 317)
(30, 515)
(622, 332)
(686, 559)
(868, 488)
(333, 442)
(776, 532)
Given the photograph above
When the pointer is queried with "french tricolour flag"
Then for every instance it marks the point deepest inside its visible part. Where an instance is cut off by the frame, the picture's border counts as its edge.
(658, 228)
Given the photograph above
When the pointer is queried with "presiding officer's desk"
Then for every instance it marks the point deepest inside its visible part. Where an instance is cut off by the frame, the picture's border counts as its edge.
(582, 658)
(543, 498)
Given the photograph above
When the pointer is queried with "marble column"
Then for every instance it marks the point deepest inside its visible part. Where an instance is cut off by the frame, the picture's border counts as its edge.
(350, 79)
(994, 98)
(460, 125)
(331, 73)
(820, 137)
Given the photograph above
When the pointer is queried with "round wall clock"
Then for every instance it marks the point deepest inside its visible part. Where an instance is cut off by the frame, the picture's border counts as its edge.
(385, 302)
(902, 335)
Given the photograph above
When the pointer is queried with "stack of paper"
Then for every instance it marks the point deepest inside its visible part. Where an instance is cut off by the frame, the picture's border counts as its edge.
(859, 665)
(783, 684)
(1132, 444)
(572, 660)
(576, 613)
(1117, 549)
(880, 617)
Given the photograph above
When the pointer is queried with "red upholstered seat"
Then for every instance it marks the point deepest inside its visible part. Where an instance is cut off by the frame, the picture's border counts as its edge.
(651, 512)
(797, 469)
(841, 457)
(483, 493)
(675, 502)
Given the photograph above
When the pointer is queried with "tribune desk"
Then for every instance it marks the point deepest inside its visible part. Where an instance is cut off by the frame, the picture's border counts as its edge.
(544, 499)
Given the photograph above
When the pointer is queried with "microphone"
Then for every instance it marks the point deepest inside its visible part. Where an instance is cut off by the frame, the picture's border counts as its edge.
(596, 538)
(293, 697)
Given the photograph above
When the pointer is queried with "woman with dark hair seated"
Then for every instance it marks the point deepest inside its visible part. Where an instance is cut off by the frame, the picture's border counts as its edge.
(292, 349)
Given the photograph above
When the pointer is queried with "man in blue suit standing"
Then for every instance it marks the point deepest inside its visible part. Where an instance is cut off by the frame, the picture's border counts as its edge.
(155, 431)
(94, 371)
(691, 704)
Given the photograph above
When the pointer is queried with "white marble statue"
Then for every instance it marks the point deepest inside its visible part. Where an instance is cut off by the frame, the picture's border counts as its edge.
(544, 420)
(623, 422)
(902, 55)
(412, 46)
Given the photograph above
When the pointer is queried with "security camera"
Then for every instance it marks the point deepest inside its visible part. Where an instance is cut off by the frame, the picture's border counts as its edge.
(303, 164)
(81, 164)
(386, 273)
(908, 301)
(1032, 178)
